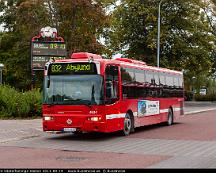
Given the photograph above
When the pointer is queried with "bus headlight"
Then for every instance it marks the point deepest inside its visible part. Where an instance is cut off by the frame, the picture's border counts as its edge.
(95, 118)
(48, 118)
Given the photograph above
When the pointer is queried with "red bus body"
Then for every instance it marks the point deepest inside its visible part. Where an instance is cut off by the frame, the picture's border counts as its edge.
(110, 117)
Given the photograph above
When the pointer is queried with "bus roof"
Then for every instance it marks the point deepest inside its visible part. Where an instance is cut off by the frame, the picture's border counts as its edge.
(125, 62)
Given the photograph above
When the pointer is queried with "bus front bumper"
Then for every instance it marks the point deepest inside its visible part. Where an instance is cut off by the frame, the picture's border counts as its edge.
(81, 125)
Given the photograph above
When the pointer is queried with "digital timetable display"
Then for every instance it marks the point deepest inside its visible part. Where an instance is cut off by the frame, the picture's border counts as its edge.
(49, 48)
(38, 62)
(72, 68)
(42, 52)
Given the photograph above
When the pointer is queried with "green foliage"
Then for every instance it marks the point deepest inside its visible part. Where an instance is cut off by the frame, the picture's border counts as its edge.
(79, 22)
(19, 104)
(207, 97)
(22, 19)
(199, 82)
(188, 95)
(210, 85)
(186, 37)
(188, 33)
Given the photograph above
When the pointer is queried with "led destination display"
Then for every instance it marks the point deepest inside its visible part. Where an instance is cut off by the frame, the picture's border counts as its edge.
(72, 68)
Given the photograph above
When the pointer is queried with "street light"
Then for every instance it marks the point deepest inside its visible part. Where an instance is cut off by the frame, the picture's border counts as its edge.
(193, 87)
(193, 82)
(158, 36)
(1, 68)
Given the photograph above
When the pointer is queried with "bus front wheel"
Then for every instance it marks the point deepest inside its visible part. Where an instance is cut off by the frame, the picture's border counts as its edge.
(127, 125)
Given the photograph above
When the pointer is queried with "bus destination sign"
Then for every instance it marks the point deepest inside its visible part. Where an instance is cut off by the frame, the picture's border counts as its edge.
(72, 68)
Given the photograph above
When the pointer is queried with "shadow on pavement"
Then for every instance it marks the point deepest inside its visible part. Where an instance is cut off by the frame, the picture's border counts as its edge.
(154, 127)
(96, 136)
(93, 136)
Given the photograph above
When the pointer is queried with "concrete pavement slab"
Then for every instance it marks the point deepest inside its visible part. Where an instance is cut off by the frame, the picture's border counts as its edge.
(14, 157)
(189, 143)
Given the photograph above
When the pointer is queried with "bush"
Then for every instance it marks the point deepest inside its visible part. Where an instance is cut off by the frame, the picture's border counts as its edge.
(188, 95)
(19, 104)
(207, 97)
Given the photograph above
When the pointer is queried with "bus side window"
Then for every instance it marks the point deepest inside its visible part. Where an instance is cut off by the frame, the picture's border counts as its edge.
(176, 81)
(112, 84)
(181, 82)
(169, 80)
(156, 78)
(162, 80)
(149, 77)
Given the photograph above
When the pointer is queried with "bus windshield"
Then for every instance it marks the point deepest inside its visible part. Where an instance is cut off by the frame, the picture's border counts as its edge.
(73, 89)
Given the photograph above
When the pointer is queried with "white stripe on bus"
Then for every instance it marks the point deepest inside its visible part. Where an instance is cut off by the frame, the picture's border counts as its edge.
(113, 116)
(164, 110)
(122, 115)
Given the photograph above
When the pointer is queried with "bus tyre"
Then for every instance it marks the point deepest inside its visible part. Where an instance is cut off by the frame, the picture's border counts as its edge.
(170, 117)
(78, 132)
(127, 125)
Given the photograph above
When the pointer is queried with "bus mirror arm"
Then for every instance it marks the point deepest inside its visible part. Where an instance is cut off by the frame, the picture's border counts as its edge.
(48, 83)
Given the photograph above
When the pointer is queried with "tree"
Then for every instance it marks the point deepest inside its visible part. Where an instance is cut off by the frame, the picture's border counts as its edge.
(79, 22)
(22, 20)
(186, 39)
(209, 9)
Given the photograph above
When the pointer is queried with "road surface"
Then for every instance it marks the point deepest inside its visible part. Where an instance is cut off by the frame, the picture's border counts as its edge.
(189, 143)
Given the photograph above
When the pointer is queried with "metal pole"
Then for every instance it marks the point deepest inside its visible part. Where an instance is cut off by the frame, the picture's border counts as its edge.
(0, 76)
(158, 36)
(193, 86)
(33, 80)
(1, 68)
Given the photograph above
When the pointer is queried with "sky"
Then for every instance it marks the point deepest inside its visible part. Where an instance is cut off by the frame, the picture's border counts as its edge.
(1, 27)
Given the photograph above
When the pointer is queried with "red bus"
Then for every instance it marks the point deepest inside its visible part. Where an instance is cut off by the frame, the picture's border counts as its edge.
(88, 93)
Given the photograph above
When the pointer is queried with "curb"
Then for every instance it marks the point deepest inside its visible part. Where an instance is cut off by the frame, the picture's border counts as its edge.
(199, 111)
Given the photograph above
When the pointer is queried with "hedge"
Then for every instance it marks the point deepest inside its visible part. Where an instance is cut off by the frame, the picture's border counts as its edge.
(19, 104)
(207, 97)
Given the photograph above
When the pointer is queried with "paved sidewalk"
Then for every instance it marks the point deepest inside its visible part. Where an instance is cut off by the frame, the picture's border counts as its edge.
(189, 143)
(13, 130)
(192, 107)
(19, 157)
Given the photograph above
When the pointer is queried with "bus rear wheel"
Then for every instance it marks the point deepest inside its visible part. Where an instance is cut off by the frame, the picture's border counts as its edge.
(170, 117)
(127, 125)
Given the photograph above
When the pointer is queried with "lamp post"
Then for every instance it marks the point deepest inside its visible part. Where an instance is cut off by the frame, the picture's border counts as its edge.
(158, 35)
(193, 86)
(193, 82)
(1, 68)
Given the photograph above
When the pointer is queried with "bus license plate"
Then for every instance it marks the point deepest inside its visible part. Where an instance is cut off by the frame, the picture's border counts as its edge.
(69, 129)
